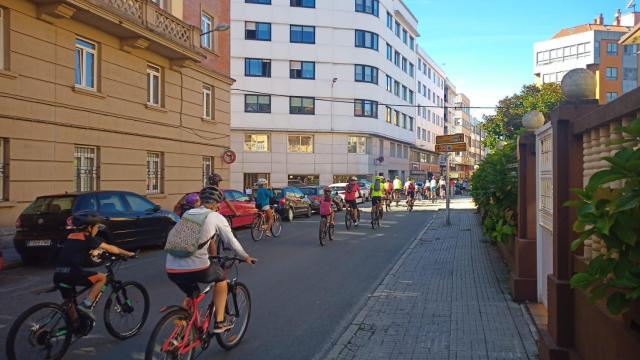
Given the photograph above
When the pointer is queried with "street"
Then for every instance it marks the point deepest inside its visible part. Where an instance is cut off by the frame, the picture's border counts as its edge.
(303, 295)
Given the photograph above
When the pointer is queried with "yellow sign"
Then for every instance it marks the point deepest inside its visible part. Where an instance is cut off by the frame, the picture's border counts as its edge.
(443, 148)
(449, 139)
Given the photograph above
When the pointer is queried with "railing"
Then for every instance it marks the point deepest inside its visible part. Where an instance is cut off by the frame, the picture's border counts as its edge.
(147, 14)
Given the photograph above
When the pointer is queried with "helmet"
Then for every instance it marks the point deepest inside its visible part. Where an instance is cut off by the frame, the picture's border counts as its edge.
(354, 178)
(83, 219)
(261, 182)
(211, 195)
(214, 179)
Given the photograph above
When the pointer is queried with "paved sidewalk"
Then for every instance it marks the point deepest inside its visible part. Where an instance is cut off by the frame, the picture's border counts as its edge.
(446, 298)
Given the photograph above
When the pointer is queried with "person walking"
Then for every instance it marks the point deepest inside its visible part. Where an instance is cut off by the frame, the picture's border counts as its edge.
(443, 188)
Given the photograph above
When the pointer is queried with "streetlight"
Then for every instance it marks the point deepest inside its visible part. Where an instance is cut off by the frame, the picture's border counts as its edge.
(219, 27)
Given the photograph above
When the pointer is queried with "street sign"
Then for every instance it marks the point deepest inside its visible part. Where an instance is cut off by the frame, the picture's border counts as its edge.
(443, 148)
(449, 139)
(443, 161)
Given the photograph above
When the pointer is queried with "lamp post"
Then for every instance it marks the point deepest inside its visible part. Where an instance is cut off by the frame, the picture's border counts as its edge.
(219, 27)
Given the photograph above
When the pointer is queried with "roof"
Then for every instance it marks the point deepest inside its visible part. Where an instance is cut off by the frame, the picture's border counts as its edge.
(590, 27)
(632, 37)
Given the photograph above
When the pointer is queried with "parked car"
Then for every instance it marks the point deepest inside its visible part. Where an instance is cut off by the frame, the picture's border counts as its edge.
(315, 193)
(291, 202)
(365, 189)
(245, 207)
(132, 221)
(340, 189)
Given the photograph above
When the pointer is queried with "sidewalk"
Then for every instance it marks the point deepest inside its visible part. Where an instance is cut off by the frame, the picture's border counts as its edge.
(446, 298)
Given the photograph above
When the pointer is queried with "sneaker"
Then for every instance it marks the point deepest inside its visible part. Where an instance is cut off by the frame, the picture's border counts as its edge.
(86, 311)
(222, 326)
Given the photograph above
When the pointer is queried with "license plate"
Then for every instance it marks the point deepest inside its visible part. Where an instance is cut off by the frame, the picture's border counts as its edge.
(35, 243)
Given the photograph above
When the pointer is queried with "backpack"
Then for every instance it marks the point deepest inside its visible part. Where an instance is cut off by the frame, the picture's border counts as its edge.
(412, 187)
(376, 185)
(183, 239)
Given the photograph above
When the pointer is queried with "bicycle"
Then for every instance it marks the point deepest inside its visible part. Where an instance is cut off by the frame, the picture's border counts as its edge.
(327, 229)
(259, 224)
(48, 324)
(349, 217)
(181, 331)
(376, 216)
(396, 196)
(410, 202)
(387, 202)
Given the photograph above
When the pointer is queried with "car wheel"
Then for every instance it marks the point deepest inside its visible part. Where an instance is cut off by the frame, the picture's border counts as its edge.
(290, 214)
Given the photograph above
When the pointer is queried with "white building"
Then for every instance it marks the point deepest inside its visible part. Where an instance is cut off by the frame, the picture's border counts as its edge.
(430, 88)
(292, 59)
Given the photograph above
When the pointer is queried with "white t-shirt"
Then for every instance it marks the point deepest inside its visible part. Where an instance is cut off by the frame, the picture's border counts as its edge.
(434, 183)
(214, 224)
(442, 182)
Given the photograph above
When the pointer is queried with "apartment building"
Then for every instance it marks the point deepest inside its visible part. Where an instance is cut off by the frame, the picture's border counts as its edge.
(476, 151)
(450, 102)
(430, 87)
(291, 59)
(462, 162)
(595, 47)
(104, 94)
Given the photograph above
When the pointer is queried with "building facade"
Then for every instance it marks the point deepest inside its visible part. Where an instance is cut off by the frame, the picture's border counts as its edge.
(326, 89)
(595, 47)
(462, 162)
(430, 88)
(99, 96)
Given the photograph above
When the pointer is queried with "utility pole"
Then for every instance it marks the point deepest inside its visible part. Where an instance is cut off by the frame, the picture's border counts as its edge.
(448, 190)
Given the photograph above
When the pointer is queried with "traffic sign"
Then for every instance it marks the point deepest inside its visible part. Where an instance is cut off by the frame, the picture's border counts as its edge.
(443, 148)
(443, 161)
(449, 139)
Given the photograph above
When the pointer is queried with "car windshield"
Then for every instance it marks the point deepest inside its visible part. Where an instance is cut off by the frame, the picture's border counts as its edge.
(309, 191)
(50, 205)
(338, 188)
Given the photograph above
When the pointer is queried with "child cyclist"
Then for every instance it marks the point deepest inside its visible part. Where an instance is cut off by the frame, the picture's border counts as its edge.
(326, 208)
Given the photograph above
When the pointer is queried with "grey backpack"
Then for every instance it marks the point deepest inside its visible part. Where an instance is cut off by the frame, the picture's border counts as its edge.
(184, 237)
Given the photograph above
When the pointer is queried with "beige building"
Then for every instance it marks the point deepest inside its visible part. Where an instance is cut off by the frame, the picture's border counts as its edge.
(110, 94)
(462, 162)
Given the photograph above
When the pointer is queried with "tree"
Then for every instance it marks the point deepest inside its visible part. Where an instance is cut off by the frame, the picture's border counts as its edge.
(504, 125)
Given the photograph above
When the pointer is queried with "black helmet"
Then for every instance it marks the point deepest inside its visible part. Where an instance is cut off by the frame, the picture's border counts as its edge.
(214, 179)
(83, 219)
(211, 195)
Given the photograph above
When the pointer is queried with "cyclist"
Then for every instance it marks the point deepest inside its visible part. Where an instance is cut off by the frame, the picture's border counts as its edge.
(397, 188)
(263, 202)
(187, 271)
(433, 184)
(410, 190)
(214, 180)
(74, 252)
(377, 189)
(351, 190)
(443, 187)
(326, 206)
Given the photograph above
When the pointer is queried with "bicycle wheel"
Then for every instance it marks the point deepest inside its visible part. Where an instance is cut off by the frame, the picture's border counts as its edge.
(332, 229)
(172, 334)
(239, 316)
(322, 232)
(42, 332)
(348, 220)
(276, 227)
(374, 218)
(257, 228)
(126, 310)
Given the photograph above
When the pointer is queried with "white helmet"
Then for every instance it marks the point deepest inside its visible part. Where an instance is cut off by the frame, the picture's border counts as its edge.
(261, 182)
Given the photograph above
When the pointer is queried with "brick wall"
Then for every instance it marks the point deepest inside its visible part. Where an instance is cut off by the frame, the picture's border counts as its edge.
(218, 59)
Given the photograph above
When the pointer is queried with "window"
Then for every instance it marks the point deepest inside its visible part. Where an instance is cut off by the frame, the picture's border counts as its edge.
(404, 121)
(628, 49)
(303, 3)
(396, 117)
(418, 133)
(257, 67)
(397, 28)
(302, 69)
(257, 31)
(612, 73)
(206, 39)
(300, 144)
(366, 39)
(404, 35)
(411, 42)
(256, 142)
(424, 135)
(419, 87)
(111, 203)
(153, 85)
(3, 169)
(411, 70)
(389, 21)
(365, 108)
(406, 152)
(389, 83)
(389, 52)
(160, 3)
(405, 93)
(612, 96)
(357, 145)
(612, 49)
(302, 34)
(396, 88)
(85, 63)
(137, 203)
(302, 105)
(410, 123)
(207, 102)
(2, 52)
(392, 150)
(207, 169)
(387, 114)
(264, 2)
(366, 73)
(396, 58)
(154, 173)
(428, 135)
(368, 6)
(404, 64)
(257, 103)
(410, 96)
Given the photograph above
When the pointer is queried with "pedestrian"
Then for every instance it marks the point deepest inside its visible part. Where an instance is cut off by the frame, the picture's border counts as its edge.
(443, 188)
(465, 186)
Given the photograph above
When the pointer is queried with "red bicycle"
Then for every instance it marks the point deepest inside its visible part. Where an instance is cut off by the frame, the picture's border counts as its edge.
(184, 333)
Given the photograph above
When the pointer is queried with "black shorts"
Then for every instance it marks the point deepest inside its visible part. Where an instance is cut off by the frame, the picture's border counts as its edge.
(375, 200)
(411, 194)
(352, 204)
(188, 281)
(67, 279)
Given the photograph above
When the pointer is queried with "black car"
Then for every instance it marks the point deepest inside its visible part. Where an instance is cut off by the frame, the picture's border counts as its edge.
(291, 202)
(315, 193)
(131, 222)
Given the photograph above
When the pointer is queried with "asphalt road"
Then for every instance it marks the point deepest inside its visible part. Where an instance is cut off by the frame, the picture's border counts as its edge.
(303, 295)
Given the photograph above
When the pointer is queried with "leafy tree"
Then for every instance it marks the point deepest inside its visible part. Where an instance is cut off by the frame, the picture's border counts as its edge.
(504, 125)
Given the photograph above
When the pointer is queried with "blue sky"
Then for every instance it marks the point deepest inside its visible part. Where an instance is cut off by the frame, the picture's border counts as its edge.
(486, 46)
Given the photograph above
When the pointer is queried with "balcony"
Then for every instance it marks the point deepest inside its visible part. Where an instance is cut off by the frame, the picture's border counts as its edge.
(140, 24)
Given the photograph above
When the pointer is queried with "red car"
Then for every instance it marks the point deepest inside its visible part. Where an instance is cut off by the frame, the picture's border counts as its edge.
(245, 207)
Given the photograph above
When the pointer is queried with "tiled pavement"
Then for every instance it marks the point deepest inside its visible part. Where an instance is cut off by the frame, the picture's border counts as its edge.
(446, 298)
